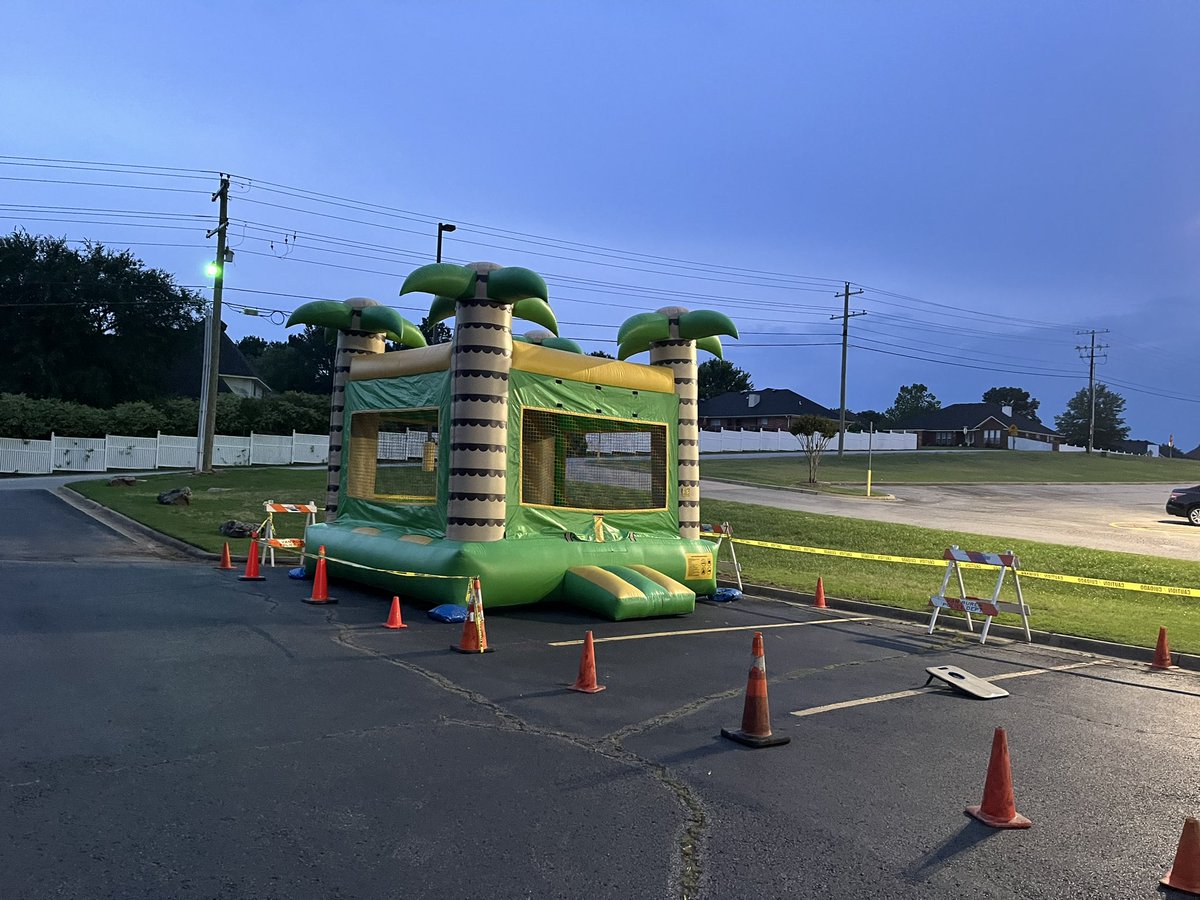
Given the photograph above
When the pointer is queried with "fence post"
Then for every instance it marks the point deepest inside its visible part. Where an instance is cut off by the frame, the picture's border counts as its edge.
(53, 451)
(252, 447)
(292, 458)
(157, 444)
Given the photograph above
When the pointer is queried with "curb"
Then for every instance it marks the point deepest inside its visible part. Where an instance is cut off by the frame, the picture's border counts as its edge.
(1129, 652)
(127, 526)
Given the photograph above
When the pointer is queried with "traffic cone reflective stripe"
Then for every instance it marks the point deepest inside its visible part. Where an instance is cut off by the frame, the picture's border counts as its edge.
(251, 573)
(1162, 652)
(394, 619)
(819, 601)
(320, 588)
(226, 562)
(586, 682)
(756, 717)
(1184, 874)
(999, 809)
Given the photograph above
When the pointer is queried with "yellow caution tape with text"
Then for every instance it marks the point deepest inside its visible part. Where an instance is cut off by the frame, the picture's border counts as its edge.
(354, 565)
(916, 561)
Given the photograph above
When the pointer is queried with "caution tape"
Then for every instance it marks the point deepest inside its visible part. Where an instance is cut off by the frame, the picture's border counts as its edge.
(917, 561)
(354, 565)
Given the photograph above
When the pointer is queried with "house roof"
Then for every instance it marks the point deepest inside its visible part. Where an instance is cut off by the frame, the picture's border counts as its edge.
(184, 378)
(771, 402)
(971, 416)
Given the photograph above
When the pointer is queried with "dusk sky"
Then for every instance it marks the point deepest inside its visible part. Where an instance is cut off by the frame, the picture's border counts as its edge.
(995, 176)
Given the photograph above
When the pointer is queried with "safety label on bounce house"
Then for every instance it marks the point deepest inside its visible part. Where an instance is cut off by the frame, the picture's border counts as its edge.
(699, 566)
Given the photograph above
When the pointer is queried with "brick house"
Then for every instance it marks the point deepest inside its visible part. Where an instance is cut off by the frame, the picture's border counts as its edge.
(976, 425)
(769, 409)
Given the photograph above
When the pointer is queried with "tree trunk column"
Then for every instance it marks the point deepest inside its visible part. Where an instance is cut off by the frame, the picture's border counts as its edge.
(680, 357)
(479, 369)
(350, 343)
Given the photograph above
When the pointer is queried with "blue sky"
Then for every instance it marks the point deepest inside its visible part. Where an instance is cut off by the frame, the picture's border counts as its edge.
(996, 176)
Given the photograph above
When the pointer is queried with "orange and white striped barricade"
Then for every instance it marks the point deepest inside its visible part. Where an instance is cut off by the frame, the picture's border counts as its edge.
(269, 539)
(990, 608)
(722, 532)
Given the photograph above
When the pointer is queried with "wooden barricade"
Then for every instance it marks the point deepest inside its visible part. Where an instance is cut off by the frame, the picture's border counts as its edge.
(270, 541)
(723, 533)
(990, 608)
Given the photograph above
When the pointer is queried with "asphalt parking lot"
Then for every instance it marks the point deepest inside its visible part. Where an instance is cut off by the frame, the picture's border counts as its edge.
(173, 732)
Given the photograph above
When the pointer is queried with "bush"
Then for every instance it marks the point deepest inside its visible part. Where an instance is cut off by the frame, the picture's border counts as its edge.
(30, 418)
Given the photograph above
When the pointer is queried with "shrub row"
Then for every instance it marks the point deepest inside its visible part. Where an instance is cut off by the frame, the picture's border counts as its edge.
(32, 418)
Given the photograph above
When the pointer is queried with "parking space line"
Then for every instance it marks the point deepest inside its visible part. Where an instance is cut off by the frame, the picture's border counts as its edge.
(882, 698)
(660, 634)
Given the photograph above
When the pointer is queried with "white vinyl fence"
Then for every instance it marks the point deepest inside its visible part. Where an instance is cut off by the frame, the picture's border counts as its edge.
(728, 441)
(167, 451)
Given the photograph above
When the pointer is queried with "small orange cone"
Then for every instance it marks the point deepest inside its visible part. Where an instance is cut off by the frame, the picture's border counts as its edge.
(394, 620)
(226, 562)
(1184, 875)
(1162, 653)
(251, 573)
(474, 633)
(756, 717)
(819, 600)
(999, 809)
(320, 590)
(586, 682)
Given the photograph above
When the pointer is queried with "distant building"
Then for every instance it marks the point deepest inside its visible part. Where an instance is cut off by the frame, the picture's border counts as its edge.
(1137, 448)
(975, 425)
(769, 409)
(235, 375)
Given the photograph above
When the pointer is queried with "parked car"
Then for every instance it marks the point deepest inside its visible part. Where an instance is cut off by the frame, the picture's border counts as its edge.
(1185, 501)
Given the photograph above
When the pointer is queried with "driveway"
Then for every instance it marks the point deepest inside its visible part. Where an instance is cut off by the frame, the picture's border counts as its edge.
(1127, 518)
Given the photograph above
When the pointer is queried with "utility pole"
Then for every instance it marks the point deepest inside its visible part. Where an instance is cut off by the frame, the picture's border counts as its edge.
(1090, 350)
(845, 317)
(208, 404)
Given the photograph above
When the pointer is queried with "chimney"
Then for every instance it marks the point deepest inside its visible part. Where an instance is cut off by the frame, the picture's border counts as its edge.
(752, 399)
(1007, 410)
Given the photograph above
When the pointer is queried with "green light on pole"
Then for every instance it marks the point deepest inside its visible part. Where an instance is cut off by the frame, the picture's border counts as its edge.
(212, 270)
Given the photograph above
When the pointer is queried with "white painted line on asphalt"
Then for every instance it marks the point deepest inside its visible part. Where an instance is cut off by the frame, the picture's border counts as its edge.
(659, 634)
(882, 698)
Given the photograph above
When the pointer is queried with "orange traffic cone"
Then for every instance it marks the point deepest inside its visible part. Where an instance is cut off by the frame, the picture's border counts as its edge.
(474, 633)
(394, 620)
(320, 590)
(251, 573)
(819, 600)
(999, 809)
(1162, 653)
(756, 717)
(226, 562)
(586, 682)
(1184, 875)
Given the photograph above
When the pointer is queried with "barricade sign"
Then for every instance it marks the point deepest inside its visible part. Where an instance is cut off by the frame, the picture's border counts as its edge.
(268, 538)
(990, 608)
(722, 532)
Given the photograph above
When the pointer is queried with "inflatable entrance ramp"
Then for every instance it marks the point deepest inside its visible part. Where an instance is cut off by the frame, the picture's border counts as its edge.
(626, 592)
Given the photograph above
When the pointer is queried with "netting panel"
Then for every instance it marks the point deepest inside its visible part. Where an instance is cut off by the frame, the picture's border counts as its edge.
(393, 456)
(587, 462)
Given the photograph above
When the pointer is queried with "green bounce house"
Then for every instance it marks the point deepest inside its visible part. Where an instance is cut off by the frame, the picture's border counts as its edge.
(548, 474)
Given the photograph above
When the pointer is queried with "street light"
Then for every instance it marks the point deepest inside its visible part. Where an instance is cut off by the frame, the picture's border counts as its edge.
(443, 227)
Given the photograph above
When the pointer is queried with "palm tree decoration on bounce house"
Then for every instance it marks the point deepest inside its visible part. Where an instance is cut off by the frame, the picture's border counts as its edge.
(483, 298)
(673, 335)
(362, 325)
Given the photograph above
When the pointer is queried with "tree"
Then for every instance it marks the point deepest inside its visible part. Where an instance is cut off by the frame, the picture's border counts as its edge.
(304, 362)
(252, 346)
(601, 354)
(673, 335)
(868, 417)
(1110, 420)
(911, 400)
(1022, 404)
(720, 376)
(435, 332)
(815, 433)
(91, 324)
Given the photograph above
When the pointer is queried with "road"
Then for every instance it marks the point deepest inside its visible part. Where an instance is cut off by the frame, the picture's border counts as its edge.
(171, 731)
(1127, 518)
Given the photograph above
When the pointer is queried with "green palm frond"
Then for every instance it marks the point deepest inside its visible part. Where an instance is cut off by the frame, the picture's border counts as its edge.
(325, 313)
(701, 323)
(536, 310)
(513, 284)
(441, 308)
(445, 279)
(712, 344)
(562, 343)
(655, 322)
(386, 321)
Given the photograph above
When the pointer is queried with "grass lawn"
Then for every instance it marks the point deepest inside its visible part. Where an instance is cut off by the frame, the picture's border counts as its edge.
(982, 467)
(1124, 616)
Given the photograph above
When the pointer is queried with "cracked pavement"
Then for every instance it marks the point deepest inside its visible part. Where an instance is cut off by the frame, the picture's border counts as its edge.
(171, 731)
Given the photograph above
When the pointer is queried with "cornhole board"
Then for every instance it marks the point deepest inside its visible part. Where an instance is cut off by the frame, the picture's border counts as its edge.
(965, 682)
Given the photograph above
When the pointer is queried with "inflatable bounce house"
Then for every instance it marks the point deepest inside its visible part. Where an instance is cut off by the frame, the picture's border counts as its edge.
(548, 474)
